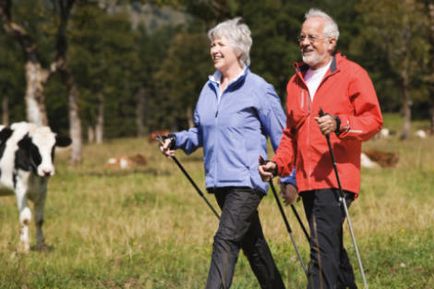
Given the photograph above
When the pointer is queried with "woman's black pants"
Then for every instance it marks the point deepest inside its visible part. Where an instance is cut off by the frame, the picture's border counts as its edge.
(240, 228)
(330, 267)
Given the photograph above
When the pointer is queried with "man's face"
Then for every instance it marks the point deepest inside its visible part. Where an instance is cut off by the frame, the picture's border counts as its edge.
(316, 48)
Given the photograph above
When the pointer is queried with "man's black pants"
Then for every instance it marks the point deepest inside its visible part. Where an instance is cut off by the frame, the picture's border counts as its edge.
(240, 228)
(329, 267)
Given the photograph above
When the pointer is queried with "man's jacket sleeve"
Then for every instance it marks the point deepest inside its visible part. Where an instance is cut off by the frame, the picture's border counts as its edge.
(366, 119)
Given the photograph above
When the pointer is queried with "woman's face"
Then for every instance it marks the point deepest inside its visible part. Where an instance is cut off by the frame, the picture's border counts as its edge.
(223, 55)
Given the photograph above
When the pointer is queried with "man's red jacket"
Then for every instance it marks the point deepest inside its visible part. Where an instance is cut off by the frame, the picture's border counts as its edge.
(346, 91)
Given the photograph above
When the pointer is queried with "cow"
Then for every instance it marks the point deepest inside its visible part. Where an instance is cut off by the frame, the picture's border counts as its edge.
(126, 162)
(376, 158)
(420, 133)
(26, 164)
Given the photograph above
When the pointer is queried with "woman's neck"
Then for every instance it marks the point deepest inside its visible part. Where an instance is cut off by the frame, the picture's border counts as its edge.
(231, 73)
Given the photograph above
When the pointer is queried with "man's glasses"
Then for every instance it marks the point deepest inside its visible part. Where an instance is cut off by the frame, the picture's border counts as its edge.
(309, 37)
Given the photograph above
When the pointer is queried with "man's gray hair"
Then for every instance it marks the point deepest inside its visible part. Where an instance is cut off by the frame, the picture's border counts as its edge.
(331, 28)
(237, 33)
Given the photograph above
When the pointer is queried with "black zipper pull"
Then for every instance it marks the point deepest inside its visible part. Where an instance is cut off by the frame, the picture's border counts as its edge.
(216, 113)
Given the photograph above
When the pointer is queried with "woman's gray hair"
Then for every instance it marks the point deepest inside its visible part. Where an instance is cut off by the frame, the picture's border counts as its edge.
(237, 33)
(331, 28)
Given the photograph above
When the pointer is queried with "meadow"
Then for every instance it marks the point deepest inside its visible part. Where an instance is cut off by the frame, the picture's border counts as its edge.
(147, 228)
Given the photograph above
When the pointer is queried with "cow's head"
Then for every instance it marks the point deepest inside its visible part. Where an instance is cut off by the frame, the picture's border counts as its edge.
(36, 150)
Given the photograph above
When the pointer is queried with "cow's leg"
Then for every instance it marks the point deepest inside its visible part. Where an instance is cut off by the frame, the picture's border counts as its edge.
(39, 220)
(25, 216)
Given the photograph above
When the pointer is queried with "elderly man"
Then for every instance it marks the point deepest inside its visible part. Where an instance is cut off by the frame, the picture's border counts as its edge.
(329, 81)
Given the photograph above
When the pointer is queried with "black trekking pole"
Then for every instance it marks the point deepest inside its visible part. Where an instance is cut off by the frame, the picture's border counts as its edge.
(294, 210)
(160, 139)
(344, 202)
(285, 220)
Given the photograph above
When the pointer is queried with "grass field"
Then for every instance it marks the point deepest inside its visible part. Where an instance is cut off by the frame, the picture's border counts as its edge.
(147, 228)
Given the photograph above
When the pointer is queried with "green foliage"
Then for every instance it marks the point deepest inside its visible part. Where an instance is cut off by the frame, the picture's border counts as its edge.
(396, 31)
(181, 77)
(103, 64)
(11, 76)
(57, 104)
(275, 26)
(152, 50)
(39, 20)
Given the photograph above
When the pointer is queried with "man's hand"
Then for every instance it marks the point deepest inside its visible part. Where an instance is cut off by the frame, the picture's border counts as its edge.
(266, 170)
(289, 193)
(327, 123)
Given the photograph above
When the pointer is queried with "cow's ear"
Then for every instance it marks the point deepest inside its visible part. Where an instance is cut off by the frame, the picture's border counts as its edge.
(63, 141)
(5, 133)
(25, 143)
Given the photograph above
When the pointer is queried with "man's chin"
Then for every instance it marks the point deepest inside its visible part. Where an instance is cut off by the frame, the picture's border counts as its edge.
(306, 61)
(309, 60)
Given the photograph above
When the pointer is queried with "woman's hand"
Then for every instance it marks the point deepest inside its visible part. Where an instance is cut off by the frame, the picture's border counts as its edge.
(267, 169)
(166, 146)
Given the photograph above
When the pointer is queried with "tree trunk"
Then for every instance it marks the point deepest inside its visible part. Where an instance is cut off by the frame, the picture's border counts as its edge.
(90, 134)
(432, 120)
(74, 124)
(5, 110)
(36, 77)
(431, 77)
(99, 129)
(140, 112)
(64, 8)
(406, 108)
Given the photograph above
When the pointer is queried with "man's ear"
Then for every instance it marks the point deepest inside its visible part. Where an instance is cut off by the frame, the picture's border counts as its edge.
(332, 43)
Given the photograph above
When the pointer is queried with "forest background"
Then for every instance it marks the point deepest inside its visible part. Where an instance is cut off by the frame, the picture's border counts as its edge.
(104, 69)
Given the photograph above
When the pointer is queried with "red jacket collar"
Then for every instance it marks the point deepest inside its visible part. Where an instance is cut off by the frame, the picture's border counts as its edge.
(301, 67)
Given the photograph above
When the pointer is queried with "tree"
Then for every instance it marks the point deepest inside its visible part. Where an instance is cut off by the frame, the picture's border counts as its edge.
(181, 77)
(36, 75)
(103, 59)
(429, 8)
(398, 29)
(12, 80)
(152, 49)
(64, 8)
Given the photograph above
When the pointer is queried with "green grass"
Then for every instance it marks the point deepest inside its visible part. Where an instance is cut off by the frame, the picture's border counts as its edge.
(147, 228)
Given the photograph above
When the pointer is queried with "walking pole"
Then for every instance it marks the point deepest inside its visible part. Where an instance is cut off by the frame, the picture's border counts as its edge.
(300, 222)
(160, 139)
(344, 202)
(285, 220)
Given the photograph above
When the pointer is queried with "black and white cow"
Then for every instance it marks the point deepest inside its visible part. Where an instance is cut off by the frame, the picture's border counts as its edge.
(26, 163)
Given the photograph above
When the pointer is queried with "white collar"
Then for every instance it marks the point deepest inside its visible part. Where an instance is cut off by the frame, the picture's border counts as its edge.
(217, 76)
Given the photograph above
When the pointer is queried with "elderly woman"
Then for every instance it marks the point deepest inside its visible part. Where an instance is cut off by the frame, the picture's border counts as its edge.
(235, 113)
